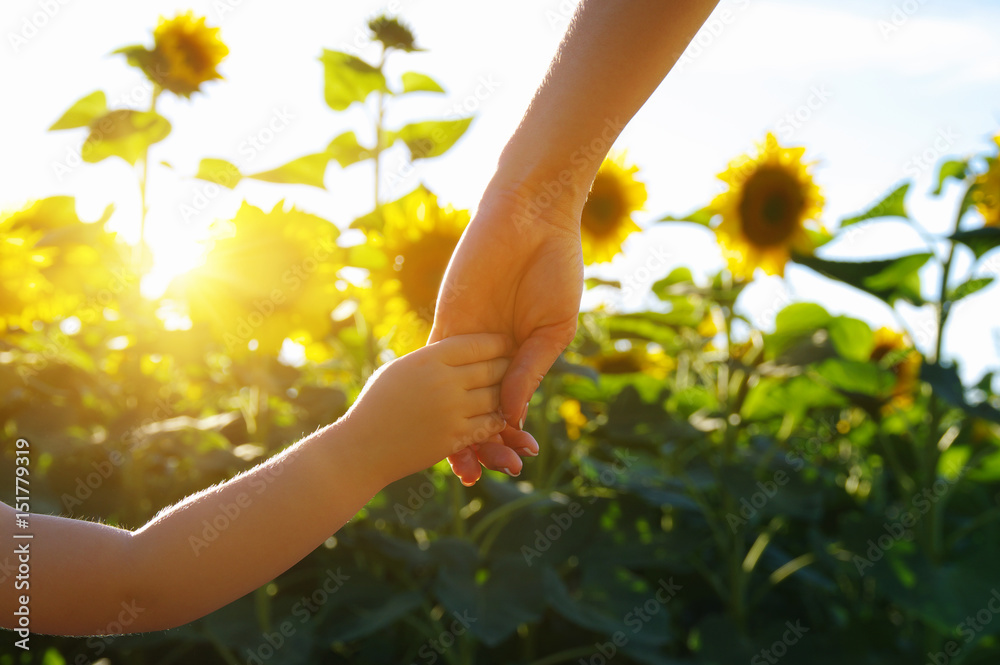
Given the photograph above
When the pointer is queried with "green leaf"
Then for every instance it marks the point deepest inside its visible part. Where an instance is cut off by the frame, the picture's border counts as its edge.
(775, 398)
(979, 240)
(798, 318)
(346, 150)
(818, 237)
(957, 169)
(795, 322)
(593, 282)
(940, 596)
(947, 386)
(511, 594)
(664, 288)
(604, 595)
(53, 657)
(367, 257)
(391, 612)
(372, 221)
(220, 172)
(563, 366)
(124, 133)
(952, 461)
(898, 275)
(371, 607)
(83, 112)
(888, 279)
(415, 82)
(348, 79)
(853, 339)
(375, 220)
(988, 468)
(969, 287)
(655, 326)
(702, 216)
(433, 137)
(986, 383)
(650, 326)
(862, 378)
(308, 170)
(892, 205)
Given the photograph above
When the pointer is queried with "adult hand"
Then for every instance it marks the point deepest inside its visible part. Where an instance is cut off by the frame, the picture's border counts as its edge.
(518, 269)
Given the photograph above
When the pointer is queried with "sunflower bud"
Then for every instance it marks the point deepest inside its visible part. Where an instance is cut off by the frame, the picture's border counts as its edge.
(393, 34)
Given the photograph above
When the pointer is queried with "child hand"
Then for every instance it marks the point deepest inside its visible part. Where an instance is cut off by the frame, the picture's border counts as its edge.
(431, 403)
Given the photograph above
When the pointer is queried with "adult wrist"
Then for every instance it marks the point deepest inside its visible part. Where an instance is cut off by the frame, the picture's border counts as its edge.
(546, 193)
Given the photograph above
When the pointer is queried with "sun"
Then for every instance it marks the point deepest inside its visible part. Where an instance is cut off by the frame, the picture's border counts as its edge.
(173, 256)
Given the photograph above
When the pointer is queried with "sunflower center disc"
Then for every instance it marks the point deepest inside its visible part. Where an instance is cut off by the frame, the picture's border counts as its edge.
(771, 206)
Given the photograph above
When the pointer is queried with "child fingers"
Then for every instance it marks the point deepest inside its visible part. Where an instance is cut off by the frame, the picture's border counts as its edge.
(484, 427)
(465, 465)
(467, 349)
(483, 400)
(486, 373)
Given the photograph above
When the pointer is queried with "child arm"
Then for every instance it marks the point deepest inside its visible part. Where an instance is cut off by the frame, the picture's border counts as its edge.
(89, 579)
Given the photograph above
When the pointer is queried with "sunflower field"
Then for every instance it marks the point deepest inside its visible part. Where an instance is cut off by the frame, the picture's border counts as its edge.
(706, 492)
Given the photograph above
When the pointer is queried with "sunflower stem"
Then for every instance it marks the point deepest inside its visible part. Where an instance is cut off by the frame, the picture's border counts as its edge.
(933, 532)
(143, 181)
(725, 394)
(379, 119)
(457, 503)
(546, 470)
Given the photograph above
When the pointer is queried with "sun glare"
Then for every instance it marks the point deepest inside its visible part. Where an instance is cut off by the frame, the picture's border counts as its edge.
(171, 258)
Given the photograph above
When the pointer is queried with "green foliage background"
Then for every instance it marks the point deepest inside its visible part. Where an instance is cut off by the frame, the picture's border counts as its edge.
(768, 481)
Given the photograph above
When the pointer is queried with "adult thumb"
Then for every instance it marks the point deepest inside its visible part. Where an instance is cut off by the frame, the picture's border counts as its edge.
(531, 362)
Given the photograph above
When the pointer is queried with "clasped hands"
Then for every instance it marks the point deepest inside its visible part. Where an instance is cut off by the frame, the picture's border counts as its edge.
(518, 270)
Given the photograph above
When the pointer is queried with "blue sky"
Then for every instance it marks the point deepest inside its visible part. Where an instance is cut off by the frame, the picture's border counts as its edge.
(883, 91)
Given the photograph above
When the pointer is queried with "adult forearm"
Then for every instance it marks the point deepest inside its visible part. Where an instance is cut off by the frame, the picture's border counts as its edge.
(614, 55)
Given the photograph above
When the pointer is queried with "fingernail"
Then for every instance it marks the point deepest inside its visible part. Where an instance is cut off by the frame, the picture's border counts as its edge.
(468, 484)
(524, 414)
(527, 452)
(512, 475)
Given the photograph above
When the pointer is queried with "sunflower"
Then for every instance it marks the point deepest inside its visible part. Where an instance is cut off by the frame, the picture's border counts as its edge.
(708, 328)
(894, 351)
(417, 239)
(52, 264)
(185, 54)
(573, 417)
(269, 275)
(607, 215)
(765, 210)
(26, 295)
(987, 193)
